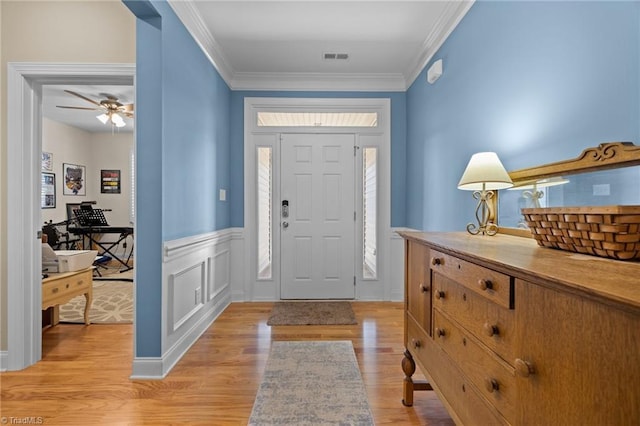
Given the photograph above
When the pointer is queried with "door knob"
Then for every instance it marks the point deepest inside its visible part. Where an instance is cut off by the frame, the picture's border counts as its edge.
(285, 224)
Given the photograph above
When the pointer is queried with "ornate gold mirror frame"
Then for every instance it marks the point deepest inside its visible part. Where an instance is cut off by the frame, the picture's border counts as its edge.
(608, 155)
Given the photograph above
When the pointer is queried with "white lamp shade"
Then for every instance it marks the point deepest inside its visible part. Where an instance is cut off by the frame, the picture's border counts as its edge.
(484, 171)
(103, 118)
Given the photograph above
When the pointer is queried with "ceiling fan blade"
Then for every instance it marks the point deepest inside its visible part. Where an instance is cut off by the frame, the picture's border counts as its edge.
(72, 107)
(127, 107)
(82, 97)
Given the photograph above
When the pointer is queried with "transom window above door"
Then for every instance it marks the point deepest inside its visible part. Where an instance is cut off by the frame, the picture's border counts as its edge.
(317, 119)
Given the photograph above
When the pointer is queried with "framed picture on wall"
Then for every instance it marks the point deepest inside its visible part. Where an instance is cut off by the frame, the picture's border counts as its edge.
(48, 192)
(74, 179)
(47, 161)
(110, 181)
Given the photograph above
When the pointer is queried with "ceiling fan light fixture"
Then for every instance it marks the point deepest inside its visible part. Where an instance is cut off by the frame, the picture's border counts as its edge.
(119, 123)
(117, 120)
(103, 118)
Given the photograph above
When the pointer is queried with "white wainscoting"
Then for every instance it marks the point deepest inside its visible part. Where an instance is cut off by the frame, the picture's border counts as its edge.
(204, 273)
(196, 288)
(3, 360)
(397, 264)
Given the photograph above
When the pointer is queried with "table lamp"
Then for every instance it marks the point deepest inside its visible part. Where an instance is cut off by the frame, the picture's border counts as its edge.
(484, 174)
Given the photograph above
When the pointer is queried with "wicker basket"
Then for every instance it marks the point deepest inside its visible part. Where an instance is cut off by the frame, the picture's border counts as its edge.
(610, 231)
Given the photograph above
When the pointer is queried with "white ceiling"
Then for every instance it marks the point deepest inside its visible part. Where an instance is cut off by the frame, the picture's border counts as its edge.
(279, 45)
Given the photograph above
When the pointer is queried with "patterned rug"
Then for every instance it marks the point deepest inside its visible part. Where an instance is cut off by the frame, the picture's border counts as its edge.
(311, 383)
(312, 313)
(112, 304)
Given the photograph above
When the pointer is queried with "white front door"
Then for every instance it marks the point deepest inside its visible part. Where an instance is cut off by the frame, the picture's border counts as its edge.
(317, 232)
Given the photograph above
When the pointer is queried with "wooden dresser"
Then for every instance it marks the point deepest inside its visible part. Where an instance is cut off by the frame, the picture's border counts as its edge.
(59, 288)
(507, 332)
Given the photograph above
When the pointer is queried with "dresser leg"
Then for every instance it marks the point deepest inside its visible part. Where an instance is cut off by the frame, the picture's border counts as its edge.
(409, 385)
(408, 367)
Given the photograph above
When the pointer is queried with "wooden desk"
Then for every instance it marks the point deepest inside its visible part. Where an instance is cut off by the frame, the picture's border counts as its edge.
(58, 289)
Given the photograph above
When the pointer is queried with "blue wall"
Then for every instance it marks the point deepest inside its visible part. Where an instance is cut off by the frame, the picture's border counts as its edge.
(534, 81)
(398, 146)
(182, 152)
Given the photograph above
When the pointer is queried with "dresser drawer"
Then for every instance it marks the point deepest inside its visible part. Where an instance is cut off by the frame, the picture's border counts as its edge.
(65, 287)
(494, 379)
(492, 324)
(456, 392)
(492, 285)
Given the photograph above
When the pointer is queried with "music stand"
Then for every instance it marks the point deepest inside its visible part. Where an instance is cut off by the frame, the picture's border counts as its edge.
(90, 217)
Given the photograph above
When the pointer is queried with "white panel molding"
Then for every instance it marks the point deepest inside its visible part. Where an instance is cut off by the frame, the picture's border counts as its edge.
(219, 273)
(319, 82)
(191, 19)
(447, 22)
(179, 283)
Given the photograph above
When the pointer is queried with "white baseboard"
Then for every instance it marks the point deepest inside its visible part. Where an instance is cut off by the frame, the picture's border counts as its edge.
(146, 368)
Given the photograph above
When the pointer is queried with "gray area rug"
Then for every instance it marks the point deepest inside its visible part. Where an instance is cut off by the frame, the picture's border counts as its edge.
(311, 383)
(312, 313)
(112, 304)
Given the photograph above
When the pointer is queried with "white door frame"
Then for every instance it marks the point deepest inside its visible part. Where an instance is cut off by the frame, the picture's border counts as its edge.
(24, 140)
(254, 136)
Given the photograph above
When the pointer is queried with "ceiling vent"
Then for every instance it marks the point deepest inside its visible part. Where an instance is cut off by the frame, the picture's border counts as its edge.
(336, 56)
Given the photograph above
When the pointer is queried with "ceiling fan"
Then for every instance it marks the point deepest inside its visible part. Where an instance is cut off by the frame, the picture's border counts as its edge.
(112, 110)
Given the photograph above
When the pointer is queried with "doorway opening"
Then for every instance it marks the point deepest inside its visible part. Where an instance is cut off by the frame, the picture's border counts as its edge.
(317, 198)
(24, 260)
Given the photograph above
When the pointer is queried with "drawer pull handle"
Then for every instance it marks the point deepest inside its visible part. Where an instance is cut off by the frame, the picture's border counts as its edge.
(415, 343)
(66, 286)
(54, 290)
(440, 332)
(435, 261)
(424, 288)
(440, 294)
(491, 385)
(524, 368)
(491, 330)
(485, 284)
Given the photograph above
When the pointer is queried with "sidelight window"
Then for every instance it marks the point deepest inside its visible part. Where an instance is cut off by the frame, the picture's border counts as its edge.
(370, 213)
(265, 185)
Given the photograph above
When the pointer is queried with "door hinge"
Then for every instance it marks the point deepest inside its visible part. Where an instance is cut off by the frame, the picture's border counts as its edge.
(354, 280)
(355, 149)
(354, 216)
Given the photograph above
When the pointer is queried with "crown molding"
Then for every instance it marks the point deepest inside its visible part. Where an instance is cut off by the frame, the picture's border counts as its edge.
(338, 82)
(191, 19)
(448, 21)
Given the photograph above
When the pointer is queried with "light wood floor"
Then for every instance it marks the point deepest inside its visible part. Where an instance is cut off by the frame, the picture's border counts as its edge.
(83, 378)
